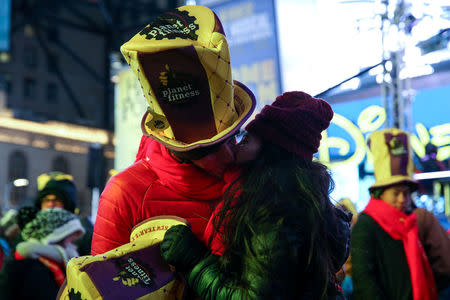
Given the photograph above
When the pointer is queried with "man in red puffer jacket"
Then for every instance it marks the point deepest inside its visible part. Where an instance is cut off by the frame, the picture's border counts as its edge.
(159, 186)
(195, 109)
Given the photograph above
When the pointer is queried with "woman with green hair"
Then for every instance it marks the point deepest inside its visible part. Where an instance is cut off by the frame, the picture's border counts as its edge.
(276, 234)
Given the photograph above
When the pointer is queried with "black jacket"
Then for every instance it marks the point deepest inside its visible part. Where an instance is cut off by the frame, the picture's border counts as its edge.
(379, 266)
(27, 279)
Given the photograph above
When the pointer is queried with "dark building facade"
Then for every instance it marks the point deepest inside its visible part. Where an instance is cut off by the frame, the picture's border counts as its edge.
(56, 95)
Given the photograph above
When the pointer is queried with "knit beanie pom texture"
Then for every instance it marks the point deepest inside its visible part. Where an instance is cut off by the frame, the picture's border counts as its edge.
(294, 121)
(52, 226)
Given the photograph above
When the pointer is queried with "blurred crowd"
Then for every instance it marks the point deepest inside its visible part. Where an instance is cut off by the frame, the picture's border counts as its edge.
(37, 241)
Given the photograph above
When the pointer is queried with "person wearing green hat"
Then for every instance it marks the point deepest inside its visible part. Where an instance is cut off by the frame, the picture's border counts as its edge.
(38, 268)
(195, 108)
(388, 256)
(58, 190)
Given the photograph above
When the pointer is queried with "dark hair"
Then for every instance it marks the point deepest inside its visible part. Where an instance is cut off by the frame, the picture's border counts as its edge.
(376, 193)
(279, 185)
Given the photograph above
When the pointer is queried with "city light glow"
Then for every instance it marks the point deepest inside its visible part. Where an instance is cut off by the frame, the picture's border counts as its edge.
(58, 129)
(20, 182)
(431, 175)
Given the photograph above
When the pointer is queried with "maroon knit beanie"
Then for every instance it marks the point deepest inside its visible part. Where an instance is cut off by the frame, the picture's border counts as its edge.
(294, 121)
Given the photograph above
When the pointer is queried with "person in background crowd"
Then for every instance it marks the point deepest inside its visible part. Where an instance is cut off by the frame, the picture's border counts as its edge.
(9, 230)
(347, 205)
(111, 174)
(276, 235)
(33, 247)
(388, 259)
(195, 109)
(57, 189)
(345, 274)
(38, 269)
(430, 163)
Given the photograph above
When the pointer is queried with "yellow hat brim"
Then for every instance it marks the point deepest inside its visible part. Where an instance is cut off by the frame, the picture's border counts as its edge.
(242, 97)
(397, 179)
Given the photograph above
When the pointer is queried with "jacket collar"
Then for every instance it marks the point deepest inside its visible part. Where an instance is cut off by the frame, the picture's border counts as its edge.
(184, 179)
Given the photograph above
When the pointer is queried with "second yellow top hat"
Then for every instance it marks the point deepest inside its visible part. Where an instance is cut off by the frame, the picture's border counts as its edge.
(392, 160)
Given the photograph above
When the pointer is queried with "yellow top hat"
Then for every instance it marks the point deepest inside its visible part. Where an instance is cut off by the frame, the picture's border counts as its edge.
(44, 178)
(182, 62)
(391, 158)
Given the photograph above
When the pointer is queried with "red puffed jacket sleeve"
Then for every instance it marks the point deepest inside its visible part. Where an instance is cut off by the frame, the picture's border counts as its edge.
(120, 208)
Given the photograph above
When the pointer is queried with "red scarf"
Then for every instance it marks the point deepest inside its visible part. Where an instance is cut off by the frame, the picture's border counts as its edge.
(217, 243)
(404, 228)
(186, 180)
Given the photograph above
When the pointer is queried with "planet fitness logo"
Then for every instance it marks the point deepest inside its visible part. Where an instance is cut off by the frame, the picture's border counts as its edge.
(177, 87)
(171, 25)
(133, 271)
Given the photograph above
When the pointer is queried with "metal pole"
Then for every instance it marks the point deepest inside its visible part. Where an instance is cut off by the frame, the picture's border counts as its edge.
(384, 83)
(392, 90)
(447, 198)
(94, 203)
(409, 95)
(396, 91)
(7, 195)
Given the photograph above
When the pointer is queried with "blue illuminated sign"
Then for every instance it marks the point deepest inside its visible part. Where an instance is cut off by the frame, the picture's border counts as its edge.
(345, 139)
(250, 27)
(5, 20)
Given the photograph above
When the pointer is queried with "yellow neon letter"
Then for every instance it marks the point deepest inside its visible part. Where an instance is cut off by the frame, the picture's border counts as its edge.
(371, 118)
(357, 137)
